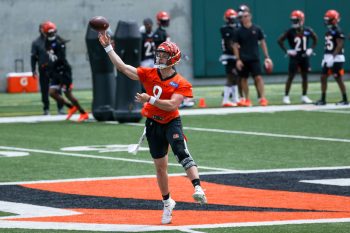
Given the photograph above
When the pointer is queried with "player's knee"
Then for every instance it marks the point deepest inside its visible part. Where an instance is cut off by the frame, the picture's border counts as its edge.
(183, 155)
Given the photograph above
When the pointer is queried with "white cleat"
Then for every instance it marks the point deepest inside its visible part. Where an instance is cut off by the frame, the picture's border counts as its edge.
(199, 195)
(169, 205)
(306, 100)
(286, 99)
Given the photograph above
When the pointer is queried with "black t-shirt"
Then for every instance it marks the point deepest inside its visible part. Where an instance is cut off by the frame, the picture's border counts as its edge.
(299, 39)
(331, 37)
(148, 46)
(227, 36)
(248, 40)
(159, 36)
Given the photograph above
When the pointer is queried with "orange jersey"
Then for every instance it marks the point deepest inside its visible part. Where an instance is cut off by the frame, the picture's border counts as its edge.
(162, 89)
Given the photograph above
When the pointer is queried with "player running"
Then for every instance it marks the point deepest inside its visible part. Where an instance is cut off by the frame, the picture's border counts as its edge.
(165, 90)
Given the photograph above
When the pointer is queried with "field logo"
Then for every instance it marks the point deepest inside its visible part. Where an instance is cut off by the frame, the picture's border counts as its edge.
(133, 203)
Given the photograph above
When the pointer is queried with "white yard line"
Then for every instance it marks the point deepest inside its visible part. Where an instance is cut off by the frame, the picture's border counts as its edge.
(191, 112)
(256, 133)
(102, 157)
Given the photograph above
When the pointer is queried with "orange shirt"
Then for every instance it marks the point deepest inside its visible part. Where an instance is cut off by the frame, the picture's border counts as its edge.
(162, 89)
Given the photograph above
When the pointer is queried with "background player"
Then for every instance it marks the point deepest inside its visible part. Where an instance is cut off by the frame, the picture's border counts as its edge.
(60, 72)
(148, 45)
(333, 59)
(298, 37)
(165, 90)
(40, 57)
(228, 59)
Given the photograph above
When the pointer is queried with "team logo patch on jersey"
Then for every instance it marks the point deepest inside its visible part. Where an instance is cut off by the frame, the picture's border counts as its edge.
(176, 135)
(174, 84)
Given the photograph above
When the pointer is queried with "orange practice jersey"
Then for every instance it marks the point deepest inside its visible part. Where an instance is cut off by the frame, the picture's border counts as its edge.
(162, 89)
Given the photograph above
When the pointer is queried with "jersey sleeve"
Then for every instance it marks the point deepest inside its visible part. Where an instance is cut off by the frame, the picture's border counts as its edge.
(340, 35)
(142, 73)
(261, 34)
(185, 89)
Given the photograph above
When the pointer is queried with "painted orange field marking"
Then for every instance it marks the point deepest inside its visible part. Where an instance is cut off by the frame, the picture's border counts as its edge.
(325, 206)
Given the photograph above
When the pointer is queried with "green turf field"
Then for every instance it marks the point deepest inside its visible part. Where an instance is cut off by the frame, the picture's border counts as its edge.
(246, 141)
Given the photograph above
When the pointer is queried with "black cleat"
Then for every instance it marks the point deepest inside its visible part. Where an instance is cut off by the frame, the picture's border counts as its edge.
(343, 102)
(320, 102)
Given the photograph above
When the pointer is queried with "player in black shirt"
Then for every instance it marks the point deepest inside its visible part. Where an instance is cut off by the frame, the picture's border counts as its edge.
(161, 35)
(40, 57)
(246, 49)
(228, 59)
(333, 59)
(147, 43)
(298, 37)
(60, 72)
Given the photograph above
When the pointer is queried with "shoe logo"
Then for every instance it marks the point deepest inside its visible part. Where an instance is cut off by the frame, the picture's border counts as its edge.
(233, 199)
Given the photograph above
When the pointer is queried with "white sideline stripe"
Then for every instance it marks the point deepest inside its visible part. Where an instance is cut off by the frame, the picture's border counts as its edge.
(255, 133)
(175, 174)
(190, 112)
(334, 111)
(335, 182)
(28, 210)
(258, 109)
(145, 228)
(102, 157)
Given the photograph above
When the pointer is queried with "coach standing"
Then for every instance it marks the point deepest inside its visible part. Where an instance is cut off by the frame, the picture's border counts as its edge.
(246, 50)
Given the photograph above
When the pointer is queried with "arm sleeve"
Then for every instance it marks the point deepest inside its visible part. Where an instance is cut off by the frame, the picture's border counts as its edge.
(33, 57)
(261, 34)
(185, 89)
(141, 72)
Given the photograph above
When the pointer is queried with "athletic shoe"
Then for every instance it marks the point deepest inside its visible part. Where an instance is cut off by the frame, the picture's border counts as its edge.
(71, 111)
(320, 102)
(199, 195)
(342, 103)
(263, 102)
(169, 205)
(46, 113)
(241, 103)
(286, 100)
(306, 100)
(246, 103)
(61, 111)
(83, 117)
(228, 104)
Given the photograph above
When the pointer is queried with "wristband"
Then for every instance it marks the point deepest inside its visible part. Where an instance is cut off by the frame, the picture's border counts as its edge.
(152, 100)
(108, 48)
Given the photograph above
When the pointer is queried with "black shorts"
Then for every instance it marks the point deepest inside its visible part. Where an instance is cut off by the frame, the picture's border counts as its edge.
(299, 63)
(337, 69)
(250, 67)
(159, 136)
(230, 67)
(59, 81)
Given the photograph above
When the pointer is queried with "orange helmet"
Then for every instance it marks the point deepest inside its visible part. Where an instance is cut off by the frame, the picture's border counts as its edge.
(297, 17)
(49, 29)
(163, 19)
(230, 15)
(173, 51)
(331, 18)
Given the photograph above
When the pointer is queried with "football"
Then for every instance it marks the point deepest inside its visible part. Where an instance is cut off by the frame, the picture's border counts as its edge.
(99, 23)
(268, 65)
